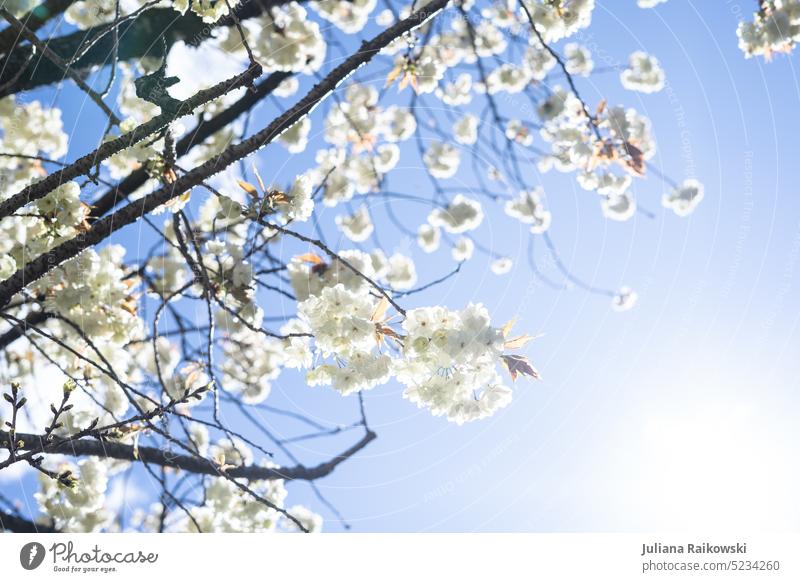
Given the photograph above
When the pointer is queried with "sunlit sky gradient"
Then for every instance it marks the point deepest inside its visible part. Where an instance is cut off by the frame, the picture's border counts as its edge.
(679, 414)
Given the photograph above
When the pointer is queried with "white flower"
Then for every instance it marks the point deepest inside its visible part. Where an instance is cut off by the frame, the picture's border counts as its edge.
(8, 266)
(215, 247)
(19, 7)
(358, 226)
(508, 78)
(398, 123)
(92, 290)
(463, 249)
(528, 208)
(252, 361)
(624, 299)
(539, 62)
(299, 206)
(489, 39)
(501, 266)
(287, 87)
(353, 119)
(605, 183)
(342, 325)
(442, 160)
(363, 370)
(130, 105)
(428, 238)
(242, 274)
(630, 126)
(643, 74)
(387, 157)
(355, 125)
(385, 18)
(379, 263)
(228, 509)
(30, 128)
(401, 272)
(619, 206)
(86, 14)
(556, 20)
(199, 437)
(461, 215)
(430, 68)
(459, 92)
(296, 137)
(307, 281)
(166, 354)
(465, 130)
(64, 205)
(554, 105)
(685, 198)
(579, 59)
(519, 132)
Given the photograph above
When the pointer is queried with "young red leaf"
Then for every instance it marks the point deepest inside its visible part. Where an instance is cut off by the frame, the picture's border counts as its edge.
(517, 365)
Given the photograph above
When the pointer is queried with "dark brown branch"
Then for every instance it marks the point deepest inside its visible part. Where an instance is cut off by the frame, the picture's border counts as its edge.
(193, 464)
(16, 332)
(134, 211)
(15, 523)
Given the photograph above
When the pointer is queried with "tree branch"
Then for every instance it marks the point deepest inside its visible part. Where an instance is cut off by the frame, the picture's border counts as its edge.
(32, 320)
(15, 523)
(193, 464)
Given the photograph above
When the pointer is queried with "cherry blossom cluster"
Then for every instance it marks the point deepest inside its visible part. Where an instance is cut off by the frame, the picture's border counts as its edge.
(643, 74)
(364, 137)
(775, 28)
(449, 363)
(447, 360)
(285, 39)
(28, 130)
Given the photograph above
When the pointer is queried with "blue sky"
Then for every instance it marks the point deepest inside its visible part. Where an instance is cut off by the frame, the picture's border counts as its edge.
(679, 414)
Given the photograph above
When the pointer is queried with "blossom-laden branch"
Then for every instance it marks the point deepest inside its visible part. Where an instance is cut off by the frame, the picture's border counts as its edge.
(85, 163)
(203, 130)
(129, 214)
